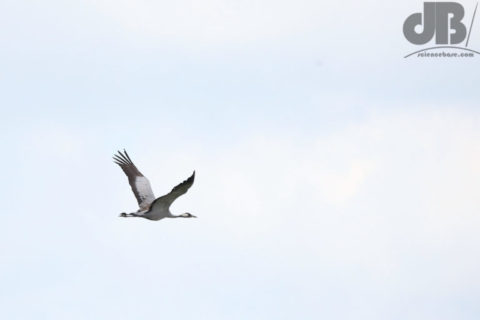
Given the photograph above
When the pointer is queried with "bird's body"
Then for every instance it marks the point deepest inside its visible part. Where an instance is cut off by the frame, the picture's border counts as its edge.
(149, 207)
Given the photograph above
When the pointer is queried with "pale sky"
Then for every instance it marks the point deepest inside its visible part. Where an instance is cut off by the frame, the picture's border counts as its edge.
(335, 179)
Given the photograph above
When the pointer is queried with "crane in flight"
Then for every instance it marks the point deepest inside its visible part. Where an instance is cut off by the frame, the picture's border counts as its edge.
(149, 207)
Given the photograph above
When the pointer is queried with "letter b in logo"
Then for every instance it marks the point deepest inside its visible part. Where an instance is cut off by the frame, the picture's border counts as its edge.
(436, 22)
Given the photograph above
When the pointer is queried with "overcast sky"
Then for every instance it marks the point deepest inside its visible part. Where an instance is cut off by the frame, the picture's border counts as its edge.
(335, 179)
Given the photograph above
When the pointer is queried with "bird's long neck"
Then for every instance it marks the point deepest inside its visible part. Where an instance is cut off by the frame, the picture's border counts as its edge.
(176, 215)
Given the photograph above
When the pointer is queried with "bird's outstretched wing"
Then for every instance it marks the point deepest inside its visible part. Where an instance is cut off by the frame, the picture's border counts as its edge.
(140, 185)
(182, 188)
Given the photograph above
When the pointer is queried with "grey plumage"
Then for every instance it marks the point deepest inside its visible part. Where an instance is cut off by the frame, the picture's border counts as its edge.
(138, 182)
(149, 207)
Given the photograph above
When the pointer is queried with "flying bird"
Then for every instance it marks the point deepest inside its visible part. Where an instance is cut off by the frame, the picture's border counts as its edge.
(149, 207)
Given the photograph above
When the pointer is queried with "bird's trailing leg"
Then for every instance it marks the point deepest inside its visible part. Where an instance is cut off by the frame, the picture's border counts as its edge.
(133, 214)
(126, 215)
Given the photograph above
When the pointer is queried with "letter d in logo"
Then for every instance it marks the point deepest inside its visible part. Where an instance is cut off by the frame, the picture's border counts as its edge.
(436, 22)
